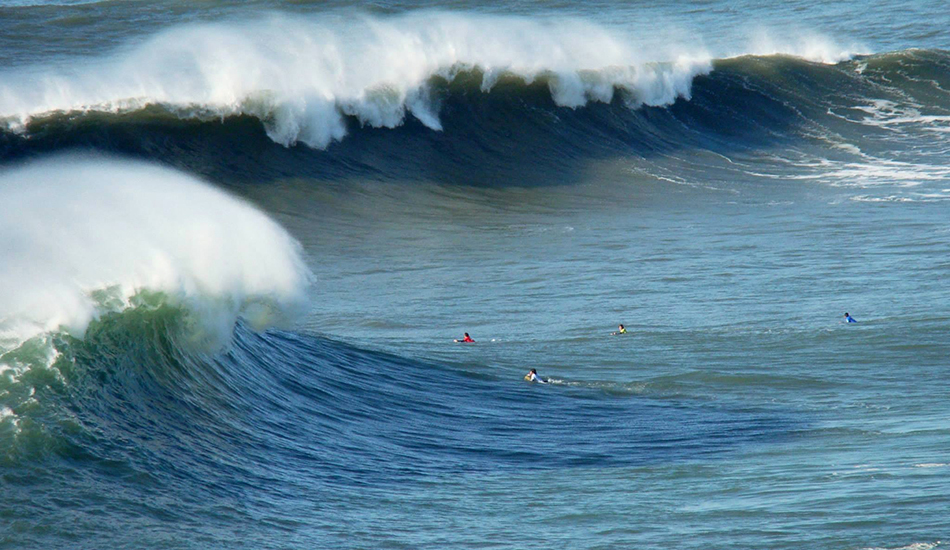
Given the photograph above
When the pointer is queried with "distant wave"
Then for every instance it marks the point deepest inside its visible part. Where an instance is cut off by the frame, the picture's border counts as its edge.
(83, 236)
(303, 78)
(482, 133)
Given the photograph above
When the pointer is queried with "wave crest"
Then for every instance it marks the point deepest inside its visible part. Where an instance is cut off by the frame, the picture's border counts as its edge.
(80, 236)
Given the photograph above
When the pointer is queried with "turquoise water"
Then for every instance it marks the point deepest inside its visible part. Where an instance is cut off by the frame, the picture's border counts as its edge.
(239, 240)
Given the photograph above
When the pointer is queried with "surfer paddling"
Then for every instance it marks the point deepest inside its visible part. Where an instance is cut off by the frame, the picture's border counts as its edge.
(466, 340)
(532, 376)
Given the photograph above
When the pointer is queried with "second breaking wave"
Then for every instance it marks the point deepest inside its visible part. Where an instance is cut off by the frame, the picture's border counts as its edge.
(471, 133)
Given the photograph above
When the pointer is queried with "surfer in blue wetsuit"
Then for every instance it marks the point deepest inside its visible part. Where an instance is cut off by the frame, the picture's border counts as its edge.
(849, 319)
(532, 376)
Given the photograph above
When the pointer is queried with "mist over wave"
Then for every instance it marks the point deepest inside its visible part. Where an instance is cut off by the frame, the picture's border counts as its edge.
(84, 235)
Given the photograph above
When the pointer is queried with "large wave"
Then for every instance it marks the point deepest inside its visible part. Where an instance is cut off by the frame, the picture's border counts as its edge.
(849, 114)
(475, 99)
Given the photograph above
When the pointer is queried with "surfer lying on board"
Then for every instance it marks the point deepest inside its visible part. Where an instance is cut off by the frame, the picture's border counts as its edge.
(621, 330)
(849, 319)
(532, 376)
(467, 339)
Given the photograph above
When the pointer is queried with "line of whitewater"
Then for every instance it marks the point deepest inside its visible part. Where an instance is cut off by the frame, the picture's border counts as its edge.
(304, 77)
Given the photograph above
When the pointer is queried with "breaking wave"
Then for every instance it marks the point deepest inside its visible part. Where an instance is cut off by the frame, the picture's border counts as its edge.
(303, 78)
(468, 97)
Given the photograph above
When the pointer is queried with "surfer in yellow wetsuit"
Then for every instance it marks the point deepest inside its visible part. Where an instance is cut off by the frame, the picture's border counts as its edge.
(532, 376)
(620, 330)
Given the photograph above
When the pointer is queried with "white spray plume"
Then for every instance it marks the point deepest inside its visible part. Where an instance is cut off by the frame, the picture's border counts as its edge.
(70, 226)
(804, 44)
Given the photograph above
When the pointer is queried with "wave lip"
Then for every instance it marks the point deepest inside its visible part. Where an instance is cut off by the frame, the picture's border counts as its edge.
(80, 236)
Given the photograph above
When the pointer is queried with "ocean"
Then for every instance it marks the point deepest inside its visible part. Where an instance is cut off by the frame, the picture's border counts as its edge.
(238, 241)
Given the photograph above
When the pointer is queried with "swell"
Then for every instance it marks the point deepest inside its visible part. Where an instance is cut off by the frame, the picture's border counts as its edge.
(490, 136)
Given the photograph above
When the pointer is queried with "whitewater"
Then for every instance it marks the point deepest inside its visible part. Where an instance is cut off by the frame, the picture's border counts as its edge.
(238, 241)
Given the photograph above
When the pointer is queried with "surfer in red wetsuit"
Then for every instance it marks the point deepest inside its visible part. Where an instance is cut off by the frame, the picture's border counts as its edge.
(466, 339)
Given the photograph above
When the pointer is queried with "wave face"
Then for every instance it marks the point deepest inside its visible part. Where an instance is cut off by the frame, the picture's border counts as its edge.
(121, 284)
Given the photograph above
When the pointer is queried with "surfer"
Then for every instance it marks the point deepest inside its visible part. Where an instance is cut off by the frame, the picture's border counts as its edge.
(620, 330)
(467, 339)
(849, 319)
(532, 376)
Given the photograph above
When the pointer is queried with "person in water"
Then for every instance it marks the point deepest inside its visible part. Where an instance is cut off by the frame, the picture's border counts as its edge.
(848, 318)
(467, 339)
(532, 376)
(620, 330)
